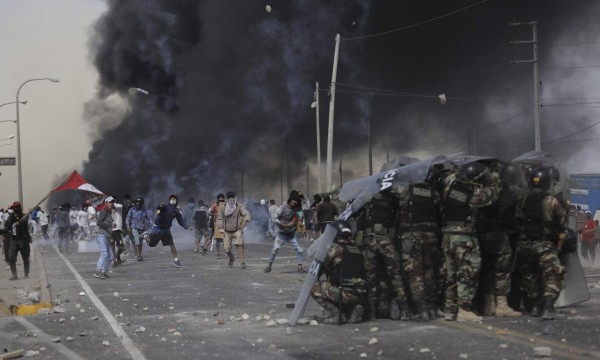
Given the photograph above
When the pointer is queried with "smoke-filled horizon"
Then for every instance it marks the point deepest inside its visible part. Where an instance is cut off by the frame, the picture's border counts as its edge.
(231, 87)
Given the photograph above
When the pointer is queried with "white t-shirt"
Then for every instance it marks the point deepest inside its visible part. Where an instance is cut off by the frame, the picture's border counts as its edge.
(42, 218)
(92, 216)
(73, 217)
(117, 216)
(82, 218)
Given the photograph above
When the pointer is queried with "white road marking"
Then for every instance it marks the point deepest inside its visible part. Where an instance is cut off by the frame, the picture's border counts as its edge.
(121, 334)
(65, 351)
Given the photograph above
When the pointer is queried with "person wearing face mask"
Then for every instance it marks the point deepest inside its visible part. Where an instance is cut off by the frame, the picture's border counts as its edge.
(161, 230)
(17, 225)
(216, 235)
(231, 221)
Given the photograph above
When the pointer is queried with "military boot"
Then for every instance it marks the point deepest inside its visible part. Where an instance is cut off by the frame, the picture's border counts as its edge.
(422, 312)
(372, 313)
(399, 310)
(489, 305)
(467, 315)
(549, 311)
(357, 314)
(502, 308)
(537, 308)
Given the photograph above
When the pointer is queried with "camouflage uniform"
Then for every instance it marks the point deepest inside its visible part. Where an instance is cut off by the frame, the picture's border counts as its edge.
(495, 222)
(460, 245)
(378, 247)
(536, 247)
(346, 257)
(419, 222)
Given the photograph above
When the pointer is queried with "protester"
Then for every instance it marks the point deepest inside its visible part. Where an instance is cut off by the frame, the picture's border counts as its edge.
(231, 221)
(105, 225)
(116, 243)
(83, 221)
(202, 231)
(127, 240)
(20, 239)
(285, 218)
(43, 222)
(137, 222)
(588, 240)
(216, 235)
(272, 226)
(161, 230)
(73, 225)
(326, 212)
(62, 221)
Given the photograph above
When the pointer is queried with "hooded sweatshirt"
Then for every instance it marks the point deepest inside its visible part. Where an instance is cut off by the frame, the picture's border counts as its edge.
(165, 215)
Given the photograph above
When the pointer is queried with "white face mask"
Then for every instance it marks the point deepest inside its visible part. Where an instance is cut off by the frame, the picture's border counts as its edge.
(173, 202)
(231, 201)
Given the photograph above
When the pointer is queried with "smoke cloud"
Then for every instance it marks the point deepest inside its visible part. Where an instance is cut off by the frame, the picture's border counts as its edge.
(231, 86)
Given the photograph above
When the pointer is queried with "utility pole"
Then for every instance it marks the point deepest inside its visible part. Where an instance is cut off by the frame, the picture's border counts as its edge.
(331, 112)
(536, 83)
(341, 178)
(319, 189)
(369, 135)
(387, 152)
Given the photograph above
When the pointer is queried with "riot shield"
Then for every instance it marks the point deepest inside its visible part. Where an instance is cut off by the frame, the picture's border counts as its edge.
(575, 288)
(359, 192)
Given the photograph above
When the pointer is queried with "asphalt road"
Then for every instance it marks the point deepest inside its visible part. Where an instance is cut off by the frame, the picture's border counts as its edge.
(154, 310)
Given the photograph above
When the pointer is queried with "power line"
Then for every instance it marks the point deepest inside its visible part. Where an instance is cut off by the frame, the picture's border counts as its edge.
(573, 134)
(574, 44)
(416, 24)
(378, 91)
(491, 126)
(571, 67)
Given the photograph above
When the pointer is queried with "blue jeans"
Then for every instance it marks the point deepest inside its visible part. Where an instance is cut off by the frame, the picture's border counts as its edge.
(106, 255)
(290, 239)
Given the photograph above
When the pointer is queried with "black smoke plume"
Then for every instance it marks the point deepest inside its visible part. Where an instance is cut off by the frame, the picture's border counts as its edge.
(231, 86)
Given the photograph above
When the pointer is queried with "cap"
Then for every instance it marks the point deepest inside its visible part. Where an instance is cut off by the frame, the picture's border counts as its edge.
(109, 199)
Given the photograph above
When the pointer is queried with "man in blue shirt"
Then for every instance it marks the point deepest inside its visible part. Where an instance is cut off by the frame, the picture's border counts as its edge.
(137, 222)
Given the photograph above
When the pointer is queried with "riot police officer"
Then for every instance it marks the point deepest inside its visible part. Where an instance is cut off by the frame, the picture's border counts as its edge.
(543, 221)
(377, 223)
(419, 222)
(465, 191)
(495, 223)
(342, 294)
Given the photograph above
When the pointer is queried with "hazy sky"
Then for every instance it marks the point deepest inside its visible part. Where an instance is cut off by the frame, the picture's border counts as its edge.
(43, 38)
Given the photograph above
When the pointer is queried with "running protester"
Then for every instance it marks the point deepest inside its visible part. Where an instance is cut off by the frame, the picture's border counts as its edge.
(202, 230)
(161, 230)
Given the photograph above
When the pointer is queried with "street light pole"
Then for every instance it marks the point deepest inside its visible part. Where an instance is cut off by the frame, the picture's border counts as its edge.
(12, 102)
(19, 173)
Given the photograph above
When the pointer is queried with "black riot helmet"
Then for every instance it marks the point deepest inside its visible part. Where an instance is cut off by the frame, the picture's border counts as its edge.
(344, 231)
(474, 171)
(554, 174)
(138, 202)
(540, 178)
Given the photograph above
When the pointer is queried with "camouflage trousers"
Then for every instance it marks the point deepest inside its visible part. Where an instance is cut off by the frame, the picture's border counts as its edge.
(540, 266)
(380, 249)
(420, 258)
(496, 257)
(328, 296)
(462, 263)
